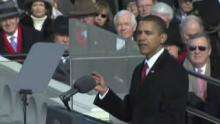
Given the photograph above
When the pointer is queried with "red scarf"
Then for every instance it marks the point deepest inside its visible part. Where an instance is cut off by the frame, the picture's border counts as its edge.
(9, 47)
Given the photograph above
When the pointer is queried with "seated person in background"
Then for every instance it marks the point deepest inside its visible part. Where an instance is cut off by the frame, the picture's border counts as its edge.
(190, 26)
(125, 25)
(144, 7)
(85, 11)
(185, 8)
(104, 18)
(61, 36)
(15, 39)
(38, 17)
(203, 95)
(132, 7)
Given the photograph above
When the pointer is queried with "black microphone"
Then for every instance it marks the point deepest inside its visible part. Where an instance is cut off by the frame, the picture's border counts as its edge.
(82, 85)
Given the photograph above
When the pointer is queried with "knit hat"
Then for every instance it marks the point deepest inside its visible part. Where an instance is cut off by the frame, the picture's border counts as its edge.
(8, 8)
(83, 8)
(61, 24)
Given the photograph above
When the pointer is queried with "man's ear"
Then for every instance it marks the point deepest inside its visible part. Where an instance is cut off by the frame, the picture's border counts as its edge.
(163, 37)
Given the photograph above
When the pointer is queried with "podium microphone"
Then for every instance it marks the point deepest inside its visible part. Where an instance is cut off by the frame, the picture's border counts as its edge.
(82, 85)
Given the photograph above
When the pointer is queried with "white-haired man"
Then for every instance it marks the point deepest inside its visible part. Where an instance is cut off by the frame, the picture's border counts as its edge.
(125, 24)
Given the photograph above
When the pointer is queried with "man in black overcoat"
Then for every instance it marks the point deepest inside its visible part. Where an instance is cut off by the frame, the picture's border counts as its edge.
(159, 85)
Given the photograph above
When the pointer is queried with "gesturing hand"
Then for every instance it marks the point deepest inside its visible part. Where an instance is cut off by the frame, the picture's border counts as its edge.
(101, 86)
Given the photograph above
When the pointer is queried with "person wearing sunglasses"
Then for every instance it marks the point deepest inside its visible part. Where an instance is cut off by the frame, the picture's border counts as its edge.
(104, 16)
(190, 26)
(202, 94)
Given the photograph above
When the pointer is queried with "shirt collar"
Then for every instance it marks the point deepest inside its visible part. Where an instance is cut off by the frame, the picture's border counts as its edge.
(15, 35)
(202, 68)
(154, 58)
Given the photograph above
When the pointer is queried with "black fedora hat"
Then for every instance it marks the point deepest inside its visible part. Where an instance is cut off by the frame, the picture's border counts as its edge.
(61, 25)
(8, 9)
(83, 8)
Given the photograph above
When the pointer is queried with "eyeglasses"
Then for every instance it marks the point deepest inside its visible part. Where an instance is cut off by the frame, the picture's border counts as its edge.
(102, 15)
(200, 48)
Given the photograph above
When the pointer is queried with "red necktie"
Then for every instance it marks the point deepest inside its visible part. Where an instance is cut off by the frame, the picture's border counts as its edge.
(144, 72)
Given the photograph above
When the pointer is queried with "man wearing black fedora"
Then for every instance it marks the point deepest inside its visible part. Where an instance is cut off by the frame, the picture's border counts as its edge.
(61, 36)
(84, 10)
(15, 39)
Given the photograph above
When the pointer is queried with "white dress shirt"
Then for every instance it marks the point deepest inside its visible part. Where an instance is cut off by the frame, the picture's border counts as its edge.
(202, 68)
(14, 35)
(153, 59)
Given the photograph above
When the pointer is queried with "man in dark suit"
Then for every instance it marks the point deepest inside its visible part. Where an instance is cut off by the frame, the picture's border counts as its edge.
(203, 95)
(14, 38)
(158, 93)
(61, 36)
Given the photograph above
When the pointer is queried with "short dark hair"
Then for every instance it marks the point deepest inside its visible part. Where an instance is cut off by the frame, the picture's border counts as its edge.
(160, 23)
(201, 35)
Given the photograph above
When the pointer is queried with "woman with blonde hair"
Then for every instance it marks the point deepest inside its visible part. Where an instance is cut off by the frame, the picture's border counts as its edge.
(104, 16)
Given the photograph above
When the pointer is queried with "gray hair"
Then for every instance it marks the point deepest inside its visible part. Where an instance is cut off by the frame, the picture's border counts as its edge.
(125, 12)
(189, 19)
(201, 35)
(161, 7)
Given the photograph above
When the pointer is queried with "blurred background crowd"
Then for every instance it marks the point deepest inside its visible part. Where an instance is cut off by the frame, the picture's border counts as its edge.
(45, 19)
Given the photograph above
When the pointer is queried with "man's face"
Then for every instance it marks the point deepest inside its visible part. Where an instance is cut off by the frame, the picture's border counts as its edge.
(149, 38)
(186, 6)
(191, 29)
(124, 26)
(199, 51)
(10, 25)
(38, 9)
(144, 7)
(62, 39)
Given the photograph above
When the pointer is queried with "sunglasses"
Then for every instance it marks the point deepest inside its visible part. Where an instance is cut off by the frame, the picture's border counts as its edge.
(200, 48)
(102, 15)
